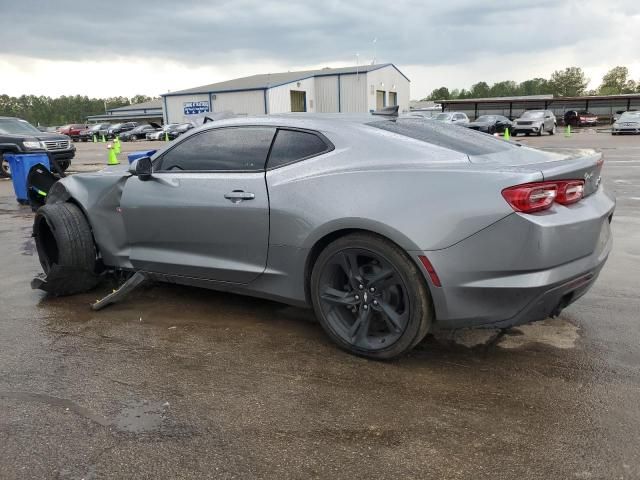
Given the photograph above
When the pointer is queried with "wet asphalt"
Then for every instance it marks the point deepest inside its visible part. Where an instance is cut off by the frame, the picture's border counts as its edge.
(178, 382)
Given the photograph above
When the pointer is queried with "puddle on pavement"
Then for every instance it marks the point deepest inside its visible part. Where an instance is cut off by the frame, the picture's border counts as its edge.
(556, 332)
(141, 417)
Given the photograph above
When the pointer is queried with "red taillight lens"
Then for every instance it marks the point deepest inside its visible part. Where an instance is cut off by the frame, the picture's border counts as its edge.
(531, 197)
(570, 192)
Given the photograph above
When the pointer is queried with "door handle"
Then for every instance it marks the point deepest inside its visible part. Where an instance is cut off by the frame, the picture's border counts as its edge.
(239, 195)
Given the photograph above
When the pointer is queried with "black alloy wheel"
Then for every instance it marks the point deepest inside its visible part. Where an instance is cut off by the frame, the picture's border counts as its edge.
(370, 298)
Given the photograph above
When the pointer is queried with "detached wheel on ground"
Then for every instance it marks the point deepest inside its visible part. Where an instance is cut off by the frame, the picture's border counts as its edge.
(66, 249)
(370, 297)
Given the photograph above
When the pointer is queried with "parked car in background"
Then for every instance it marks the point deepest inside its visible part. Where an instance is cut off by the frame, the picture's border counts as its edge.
(617, 115)
(452, 117)
(73, 130)
(425, 112)
(628, 122)
(524, 234)
(116, 129)
(139, 132)
(160, 134)
(87, 134)
(178, 130)
(535, 121)
(490, 124)
(580, 118)
(19, 136)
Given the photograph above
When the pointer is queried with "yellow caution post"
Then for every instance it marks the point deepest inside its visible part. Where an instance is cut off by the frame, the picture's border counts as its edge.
(166, 136)
(507, 135)
(116, 145)
(567, 131)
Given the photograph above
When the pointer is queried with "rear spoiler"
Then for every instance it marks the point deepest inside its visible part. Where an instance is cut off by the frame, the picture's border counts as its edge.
(387, 111)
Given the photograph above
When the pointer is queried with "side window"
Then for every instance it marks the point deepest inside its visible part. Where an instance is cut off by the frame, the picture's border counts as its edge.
(221, 149)
(292, 145)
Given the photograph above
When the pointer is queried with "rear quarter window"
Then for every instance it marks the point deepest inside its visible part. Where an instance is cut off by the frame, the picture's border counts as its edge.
(452, 137)
(293, 145)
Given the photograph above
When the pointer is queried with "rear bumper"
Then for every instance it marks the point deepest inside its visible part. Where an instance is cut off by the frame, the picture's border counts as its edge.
(526, 128)
(523, 268)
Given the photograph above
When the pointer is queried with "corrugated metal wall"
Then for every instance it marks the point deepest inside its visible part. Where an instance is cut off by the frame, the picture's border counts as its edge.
(175, 106)
(353, 93)
(326, 94)
(387, 79)
(240, 103)
(279, 98)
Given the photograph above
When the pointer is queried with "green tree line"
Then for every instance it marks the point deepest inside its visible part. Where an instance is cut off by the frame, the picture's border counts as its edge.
(570, 82)
(47, 111)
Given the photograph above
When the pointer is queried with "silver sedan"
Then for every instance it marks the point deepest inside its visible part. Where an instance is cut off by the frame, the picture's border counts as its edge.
(387, 227)
(628, 122)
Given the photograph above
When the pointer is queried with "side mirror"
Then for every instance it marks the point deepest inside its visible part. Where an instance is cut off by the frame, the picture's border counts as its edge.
(142, 168)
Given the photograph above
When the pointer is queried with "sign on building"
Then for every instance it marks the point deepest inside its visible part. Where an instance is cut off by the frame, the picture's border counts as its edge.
(194, 108)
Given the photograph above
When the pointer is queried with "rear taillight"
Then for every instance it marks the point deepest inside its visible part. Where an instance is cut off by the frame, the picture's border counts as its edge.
(531, 197)
(534, 197)
(570, 192)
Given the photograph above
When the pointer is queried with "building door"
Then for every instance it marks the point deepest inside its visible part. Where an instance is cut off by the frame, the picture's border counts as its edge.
(298, 101)
(381, 100)
(393, 99)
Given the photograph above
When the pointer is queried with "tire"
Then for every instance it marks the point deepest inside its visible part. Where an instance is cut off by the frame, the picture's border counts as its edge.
(553, 130)
(381, 311)
(65, 248)
(541, 131)
(5, 171)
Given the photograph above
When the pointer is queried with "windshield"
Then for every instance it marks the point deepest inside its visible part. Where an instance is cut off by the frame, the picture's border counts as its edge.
(117, 125)
(443, 116)
(17, 127)
(533, 114)
(486, 118)
(630, 116)
(184, 126)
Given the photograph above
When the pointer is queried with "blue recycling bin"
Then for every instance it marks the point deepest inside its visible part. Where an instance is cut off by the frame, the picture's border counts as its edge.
(20, 164)
(142, 153)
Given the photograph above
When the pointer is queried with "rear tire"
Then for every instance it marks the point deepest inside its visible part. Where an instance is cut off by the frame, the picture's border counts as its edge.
(66, 249)
(553, 130)
(366, 297)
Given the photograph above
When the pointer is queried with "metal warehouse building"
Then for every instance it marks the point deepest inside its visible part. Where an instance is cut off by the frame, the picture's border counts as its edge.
(605, 106)
(348, 89)
(148, 111)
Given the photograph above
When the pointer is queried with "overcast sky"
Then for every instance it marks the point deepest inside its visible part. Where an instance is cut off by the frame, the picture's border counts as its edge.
(115, 47)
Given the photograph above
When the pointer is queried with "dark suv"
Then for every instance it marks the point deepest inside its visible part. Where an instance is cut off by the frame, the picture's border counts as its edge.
(114, 130)
(19, 136)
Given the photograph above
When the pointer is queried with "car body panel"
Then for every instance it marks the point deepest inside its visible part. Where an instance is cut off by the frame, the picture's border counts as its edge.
(202, 233)
(440, 198)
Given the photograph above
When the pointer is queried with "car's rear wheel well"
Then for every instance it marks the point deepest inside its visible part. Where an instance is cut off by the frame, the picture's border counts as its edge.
(325, 241)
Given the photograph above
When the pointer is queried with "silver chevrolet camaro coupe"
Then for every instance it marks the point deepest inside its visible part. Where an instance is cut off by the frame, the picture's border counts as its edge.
(389, 227)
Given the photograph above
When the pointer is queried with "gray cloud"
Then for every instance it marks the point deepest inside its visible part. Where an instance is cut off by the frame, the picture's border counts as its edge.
(304, 32)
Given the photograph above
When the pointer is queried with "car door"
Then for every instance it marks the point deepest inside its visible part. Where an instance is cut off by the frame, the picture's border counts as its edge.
(205, 211)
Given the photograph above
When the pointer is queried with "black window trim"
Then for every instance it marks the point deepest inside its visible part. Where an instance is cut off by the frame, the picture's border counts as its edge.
(202, 132)
(329, 146)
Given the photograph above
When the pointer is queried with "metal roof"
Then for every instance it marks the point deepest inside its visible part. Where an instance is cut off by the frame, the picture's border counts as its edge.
(269, 80)
(538, 98)
(156, 103)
